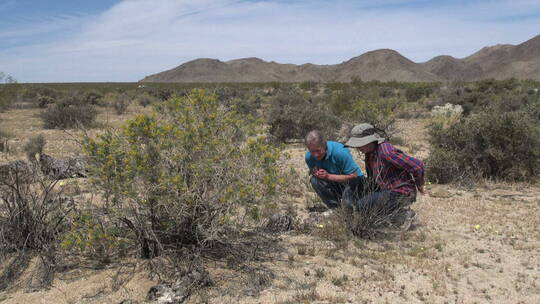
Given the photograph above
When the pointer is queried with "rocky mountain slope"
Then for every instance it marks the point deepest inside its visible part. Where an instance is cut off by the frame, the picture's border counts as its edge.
(500, 61)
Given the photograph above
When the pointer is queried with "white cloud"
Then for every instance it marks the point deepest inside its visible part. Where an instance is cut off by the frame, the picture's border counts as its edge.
(139, 37)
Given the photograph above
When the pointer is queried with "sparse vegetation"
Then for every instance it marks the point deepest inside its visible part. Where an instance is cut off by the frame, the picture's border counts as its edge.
(193, 185)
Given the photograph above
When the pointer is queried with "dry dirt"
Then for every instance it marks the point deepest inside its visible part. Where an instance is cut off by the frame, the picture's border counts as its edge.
(477, 245)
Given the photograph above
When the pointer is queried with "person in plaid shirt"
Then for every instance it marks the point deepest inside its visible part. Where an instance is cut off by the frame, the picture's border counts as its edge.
(395, 176)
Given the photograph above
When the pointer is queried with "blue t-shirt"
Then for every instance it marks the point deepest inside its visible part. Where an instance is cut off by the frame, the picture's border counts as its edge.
(337, 160)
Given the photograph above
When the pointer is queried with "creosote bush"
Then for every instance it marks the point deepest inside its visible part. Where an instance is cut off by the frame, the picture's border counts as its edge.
(69, 113)
(145, 100)
(177, 178)
(494, 144)
(121, 103)
(292, 116)
(381, 113)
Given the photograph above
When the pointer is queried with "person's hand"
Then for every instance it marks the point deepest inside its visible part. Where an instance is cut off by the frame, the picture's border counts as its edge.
(321, 173)
(421, 189)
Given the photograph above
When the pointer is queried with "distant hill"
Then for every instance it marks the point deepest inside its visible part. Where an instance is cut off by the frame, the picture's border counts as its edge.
(500, 61)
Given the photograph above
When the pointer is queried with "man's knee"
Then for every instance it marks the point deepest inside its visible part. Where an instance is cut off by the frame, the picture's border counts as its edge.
(318, 183)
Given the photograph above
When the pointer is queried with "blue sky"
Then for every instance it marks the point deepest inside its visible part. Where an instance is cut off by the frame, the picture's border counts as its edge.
(114, 40)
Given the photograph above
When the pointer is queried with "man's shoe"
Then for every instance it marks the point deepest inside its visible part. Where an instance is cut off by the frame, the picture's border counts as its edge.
(327, 213)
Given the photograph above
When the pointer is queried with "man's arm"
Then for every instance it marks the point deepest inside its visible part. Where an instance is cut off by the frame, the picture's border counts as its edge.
(339, 178)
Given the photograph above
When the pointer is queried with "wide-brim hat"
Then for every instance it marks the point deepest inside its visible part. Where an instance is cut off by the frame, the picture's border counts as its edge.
(362, 135)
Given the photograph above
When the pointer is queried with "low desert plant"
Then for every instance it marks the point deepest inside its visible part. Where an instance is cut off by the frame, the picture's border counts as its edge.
(8, 90)
(497, 145)
(145, 100)
(121, 103)
(292, 116)
(32, 221)
(93, 97)
(69, 113)
(380, 113)
(176, 179)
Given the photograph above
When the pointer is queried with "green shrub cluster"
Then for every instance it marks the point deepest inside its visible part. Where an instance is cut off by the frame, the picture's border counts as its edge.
(70, 112)
(120, 103)
(493, 144)
(292, 115)
(177, 178)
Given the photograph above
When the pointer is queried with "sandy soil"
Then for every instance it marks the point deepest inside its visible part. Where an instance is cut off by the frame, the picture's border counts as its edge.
(478, 245)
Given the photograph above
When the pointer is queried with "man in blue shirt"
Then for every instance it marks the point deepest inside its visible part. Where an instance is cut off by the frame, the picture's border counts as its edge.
(335, 176)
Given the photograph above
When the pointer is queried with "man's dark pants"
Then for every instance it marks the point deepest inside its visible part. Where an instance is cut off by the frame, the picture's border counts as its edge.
(333, 193)
(361, 194)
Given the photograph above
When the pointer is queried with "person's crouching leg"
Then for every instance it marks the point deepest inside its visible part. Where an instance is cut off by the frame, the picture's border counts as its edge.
(329, 192)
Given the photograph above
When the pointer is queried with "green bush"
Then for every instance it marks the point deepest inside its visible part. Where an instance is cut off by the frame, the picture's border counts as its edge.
(177, 178)
(69, 113)
(145, 100)
(292, 116)
(380, 113)
(93, 97)
(121, 103)
(494, 144)
(415, 93)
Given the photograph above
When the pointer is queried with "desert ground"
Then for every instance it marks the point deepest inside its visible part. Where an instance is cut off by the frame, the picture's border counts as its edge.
(470, 244)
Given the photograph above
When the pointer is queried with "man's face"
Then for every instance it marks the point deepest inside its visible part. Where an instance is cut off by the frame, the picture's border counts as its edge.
(317, 151)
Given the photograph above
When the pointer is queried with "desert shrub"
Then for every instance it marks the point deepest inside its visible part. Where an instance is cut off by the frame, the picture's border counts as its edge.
(44, 101)
(92, 236)
(121, 103)
(291, 116)
(32, 93)
(145, 100)
(32, 221)
(93, 97)
(308, 85)
(161, 94)
(8, 90)
(414, 93)
(380, 113)
(226, 93)
(247, 106)
(69, 113)
(177, 178)
(34, 146)
(494, 144)
(341, 101)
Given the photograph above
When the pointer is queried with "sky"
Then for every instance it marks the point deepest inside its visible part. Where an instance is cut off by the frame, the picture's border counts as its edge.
(126, 40)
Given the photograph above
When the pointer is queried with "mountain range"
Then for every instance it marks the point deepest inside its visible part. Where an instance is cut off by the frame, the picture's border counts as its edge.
(501, 61)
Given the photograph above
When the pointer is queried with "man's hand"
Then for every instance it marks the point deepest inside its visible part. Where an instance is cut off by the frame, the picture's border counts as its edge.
(321, 173)
(421, 189)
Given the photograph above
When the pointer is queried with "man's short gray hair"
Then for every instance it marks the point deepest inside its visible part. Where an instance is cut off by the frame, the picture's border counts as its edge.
(315, 137)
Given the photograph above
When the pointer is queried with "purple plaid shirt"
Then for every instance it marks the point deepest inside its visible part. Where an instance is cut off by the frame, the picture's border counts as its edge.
(394, 170)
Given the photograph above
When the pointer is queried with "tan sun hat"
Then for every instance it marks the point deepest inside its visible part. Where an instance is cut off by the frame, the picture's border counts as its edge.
(362, 135)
